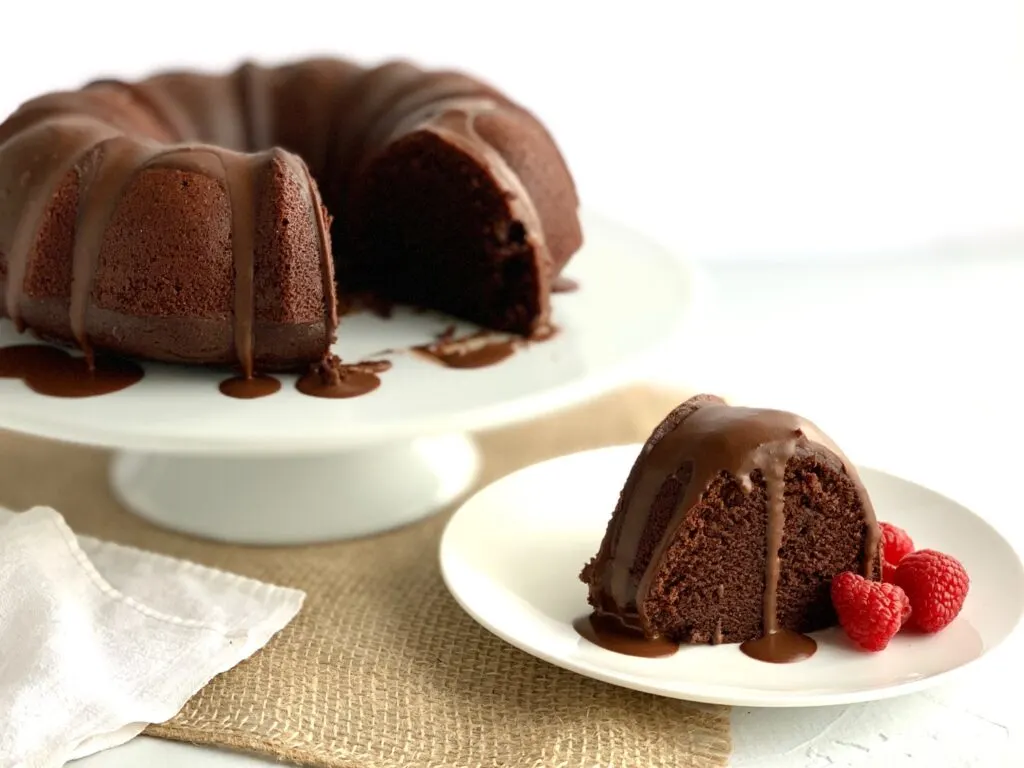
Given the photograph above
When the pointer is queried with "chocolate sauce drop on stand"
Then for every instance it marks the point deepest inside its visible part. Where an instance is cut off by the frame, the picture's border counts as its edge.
(334, 380)
(479, 349)
(250, 387)
(456, 354)
(52, 371)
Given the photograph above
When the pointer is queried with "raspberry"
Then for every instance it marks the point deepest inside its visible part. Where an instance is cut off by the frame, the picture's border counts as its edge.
(896, 543)
(871, 612)
(888, 572)
(937, 586)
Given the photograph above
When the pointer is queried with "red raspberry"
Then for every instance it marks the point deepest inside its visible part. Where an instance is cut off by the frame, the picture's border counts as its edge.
(937, 586)
(871, 612)
(888, 572)
(896, 543)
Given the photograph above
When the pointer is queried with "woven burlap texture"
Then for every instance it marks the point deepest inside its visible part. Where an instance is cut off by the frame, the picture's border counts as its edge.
(381, 669)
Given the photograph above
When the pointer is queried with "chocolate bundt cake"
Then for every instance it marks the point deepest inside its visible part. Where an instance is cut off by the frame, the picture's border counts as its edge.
(730, 527)
(190, 217)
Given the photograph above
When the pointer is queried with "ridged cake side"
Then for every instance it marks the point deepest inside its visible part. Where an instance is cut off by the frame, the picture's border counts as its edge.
(126, 240)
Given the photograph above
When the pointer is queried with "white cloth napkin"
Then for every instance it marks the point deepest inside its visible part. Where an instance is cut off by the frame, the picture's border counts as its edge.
(98, 640)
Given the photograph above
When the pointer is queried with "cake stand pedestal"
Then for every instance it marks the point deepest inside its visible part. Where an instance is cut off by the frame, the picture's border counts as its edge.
(291, 469)
(287, 500)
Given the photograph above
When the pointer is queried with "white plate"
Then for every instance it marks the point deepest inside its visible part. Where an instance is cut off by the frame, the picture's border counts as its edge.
(512, 554)
(635, 299)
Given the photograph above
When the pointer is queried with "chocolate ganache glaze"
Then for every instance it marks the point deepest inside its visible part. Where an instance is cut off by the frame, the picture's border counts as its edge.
(709, 439)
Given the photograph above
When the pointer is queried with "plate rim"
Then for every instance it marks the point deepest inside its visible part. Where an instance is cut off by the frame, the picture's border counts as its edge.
(730, 695)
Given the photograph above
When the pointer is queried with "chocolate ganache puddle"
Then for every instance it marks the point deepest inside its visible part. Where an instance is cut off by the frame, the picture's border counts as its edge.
(250, 387)
(475, 350)
(335, 380)
(783, 646)
(54, 372)
(330, 379)
(478, 349)
(613, 634)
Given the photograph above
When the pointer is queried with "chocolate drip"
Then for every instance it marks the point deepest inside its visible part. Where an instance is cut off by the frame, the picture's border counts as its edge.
(65, 146)
(771, 459)
(119, 159)
(238, 175)
(714, 438)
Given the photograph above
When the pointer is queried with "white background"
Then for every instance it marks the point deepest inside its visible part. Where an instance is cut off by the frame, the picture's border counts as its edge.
(780, 129)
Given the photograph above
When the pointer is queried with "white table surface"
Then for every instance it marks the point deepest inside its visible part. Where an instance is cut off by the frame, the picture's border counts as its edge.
(910, 368)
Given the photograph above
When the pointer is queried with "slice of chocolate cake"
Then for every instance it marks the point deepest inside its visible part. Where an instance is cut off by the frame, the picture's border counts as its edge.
(729, 528)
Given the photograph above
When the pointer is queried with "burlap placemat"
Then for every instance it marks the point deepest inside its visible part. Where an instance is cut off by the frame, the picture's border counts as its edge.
(381, 669)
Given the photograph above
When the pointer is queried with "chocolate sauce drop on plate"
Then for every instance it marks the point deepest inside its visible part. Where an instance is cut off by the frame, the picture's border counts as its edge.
(612, 634)
(250, 387)
(53, 372)
(334, 380)
(781, 647)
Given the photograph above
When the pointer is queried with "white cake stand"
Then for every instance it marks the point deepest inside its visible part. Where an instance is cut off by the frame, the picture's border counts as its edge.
(291, 469)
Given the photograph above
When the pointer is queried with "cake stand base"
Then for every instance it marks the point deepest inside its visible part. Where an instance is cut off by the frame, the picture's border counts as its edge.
(290, 500)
